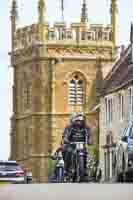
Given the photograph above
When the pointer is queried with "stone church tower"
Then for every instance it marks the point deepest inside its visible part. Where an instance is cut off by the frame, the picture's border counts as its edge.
(55, 70)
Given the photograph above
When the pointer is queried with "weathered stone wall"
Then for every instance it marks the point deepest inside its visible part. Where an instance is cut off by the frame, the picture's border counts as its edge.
(63, 72)
(31, 123)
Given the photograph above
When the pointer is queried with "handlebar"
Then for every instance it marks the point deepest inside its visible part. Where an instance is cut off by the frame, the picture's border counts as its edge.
(77, 143)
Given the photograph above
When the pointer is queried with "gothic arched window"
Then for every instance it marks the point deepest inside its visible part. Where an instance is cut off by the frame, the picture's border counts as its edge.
(76, 90)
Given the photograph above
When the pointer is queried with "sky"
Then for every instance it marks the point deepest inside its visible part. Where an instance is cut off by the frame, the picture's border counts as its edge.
(98, 12)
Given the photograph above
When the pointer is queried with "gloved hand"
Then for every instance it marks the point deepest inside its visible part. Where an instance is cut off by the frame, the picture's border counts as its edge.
(53, 155)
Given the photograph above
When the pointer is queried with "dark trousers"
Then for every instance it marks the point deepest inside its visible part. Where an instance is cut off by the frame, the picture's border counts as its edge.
(67, 155)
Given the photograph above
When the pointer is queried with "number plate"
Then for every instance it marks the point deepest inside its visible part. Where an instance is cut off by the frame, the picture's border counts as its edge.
(79, 146)
(4, 173)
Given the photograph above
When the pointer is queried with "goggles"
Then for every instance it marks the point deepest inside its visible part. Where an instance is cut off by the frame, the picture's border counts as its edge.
(79, 118)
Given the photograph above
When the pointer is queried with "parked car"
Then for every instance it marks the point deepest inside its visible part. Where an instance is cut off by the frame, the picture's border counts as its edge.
(12, 172)
(124, 154)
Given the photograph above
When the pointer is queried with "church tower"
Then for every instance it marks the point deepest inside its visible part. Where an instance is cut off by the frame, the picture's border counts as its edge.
(55, 69)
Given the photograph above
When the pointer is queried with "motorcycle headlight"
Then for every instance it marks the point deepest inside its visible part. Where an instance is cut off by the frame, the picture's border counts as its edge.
(130, 148)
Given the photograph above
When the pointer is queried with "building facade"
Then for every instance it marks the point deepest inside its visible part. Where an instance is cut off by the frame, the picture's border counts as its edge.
(55, 70)
(116, 108)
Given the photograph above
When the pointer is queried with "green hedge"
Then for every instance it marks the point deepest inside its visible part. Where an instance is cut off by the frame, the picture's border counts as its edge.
(51, 166)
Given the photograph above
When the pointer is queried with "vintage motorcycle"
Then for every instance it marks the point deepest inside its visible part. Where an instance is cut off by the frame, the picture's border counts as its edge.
(78, 165)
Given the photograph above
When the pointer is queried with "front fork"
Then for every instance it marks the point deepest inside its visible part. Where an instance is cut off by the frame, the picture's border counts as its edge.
(75, 167)
(83, 155)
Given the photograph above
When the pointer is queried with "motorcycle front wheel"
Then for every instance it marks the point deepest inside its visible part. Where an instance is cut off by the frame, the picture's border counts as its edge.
(80, 169)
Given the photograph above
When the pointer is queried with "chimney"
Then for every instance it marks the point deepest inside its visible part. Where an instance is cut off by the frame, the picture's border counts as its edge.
(122, 51)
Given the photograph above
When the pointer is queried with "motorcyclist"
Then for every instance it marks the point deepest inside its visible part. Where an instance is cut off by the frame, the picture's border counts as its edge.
(77, 131)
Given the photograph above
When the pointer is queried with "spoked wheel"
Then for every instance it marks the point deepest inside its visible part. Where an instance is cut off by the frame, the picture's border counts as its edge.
(74, 169)
(120, 178)
(74, 174)
(80, 169)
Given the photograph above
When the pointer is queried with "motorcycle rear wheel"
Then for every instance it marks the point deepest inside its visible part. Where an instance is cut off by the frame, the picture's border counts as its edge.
(60, 175)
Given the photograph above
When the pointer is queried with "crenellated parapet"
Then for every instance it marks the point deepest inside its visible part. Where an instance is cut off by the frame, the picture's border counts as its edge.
(26, 36)
(61, 33)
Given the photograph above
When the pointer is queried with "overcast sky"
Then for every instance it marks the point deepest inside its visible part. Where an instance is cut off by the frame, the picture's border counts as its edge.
(98, 12)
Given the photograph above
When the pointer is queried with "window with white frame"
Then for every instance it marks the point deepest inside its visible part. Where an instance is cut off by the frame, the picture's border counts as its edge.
(72, 92)
(121, 106)
(109, 110)
(130, 94)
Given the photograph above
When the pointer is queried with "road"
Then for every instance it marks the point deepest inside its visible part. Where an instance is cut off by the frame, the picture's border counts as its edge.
(67, 192)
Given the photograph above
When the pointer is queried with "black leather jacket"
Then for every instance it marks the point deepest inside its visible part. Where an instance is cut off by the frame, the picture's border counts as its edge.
(73, 134)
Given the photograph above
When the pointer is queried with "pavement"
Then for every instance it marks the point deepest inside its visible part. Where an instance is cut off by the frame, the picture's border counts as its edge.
(68, 191)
